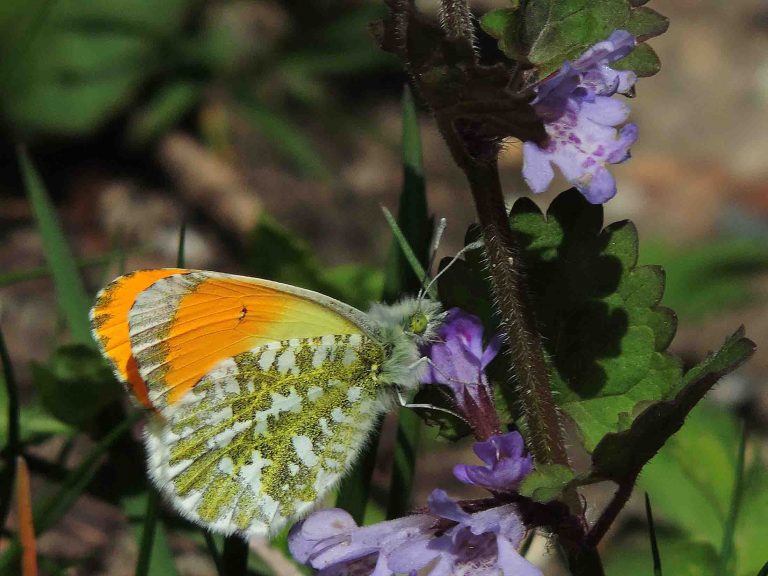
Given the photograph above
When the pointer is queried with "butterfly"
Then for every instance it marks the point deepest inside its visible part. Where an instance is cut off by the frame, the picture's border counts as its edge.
(260, 394)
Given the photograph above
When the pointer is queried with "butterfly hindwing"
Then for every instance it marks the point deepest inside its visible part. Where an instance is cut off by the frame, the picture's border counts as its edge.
(266, 434)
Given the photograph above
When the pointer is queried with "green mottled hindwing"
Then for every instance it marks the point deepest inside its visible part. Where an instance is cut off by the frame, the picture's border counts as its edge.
(267, 434)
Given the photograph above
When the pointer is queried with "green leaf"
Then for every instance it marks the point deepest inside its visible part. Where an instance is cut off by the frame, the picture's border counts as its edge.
(598, 311)
(163, 111)
(548, 32)
(87, 60)
(604, 331)
(643, 60)
(697, 500)
(620, 456)
(547, 482)
(75, 384)
(36, 423)
(645, 23)
(70, 292)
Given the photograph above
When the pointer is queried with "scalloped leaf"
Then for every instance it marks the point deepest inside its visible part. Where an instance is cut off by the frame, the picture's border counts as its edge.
(603, 328)
(547, 482)
(621, 456)
(599, 313)
(548, 32)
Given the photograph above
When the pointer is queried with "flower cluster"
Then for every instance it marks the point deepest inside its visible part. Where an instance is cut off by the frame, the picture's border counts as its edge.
(506, 464)
(444, 541)
(458, 361)
(448, 538)
(580, 117)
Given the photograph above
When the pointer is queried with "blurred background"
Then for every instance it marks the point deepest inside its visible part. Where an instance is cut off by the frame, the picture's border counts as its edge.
(272, 129)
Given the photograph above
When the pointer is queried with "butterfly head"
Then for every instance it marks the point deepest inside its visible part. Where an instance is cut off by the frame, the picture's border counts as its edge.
(404, 328)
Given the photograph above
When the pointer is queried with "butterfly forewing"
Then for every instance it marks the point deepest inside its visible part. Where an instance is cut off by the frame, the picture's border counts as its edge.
(184, 324)
(266, 434)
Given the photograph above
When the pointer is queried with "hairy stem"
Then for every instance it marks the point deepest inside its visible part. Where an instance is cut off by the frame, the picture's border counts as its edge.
(456, 19)
(513, 302)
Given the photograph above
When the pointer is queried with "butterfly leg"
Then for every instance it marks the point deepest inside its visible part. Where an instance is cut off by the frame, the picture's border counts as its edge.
(405, 404)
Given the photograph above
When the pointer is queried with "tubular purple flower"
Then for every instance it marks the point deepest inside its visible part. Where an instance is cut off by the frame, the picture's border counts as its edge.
(458, 361)
(505, 464)
(446, 541)
(580, 117)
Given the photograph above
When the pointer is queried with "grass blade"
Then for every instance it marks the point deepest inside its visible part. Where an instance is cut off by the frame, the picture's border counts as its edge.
(288, 140)
(14, 432)
(234, 558)
(70, 291)
(764, 570)
(181, 253)
(407, 251)
(413, 222)
(53, 508)
(17, 276)
(404, 465)
(652, 534)
(414, 226)
(355, 487)
(725, 566)
(147, 535)
(56, 506)
(155, 557)
(25, 521)
(210, 542)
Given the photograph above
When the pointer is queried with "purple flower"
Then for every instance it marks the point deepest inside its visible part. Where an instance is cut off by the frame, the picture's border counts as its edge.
(446, 541)
(458, 360)
(580, 118)
(505, 464)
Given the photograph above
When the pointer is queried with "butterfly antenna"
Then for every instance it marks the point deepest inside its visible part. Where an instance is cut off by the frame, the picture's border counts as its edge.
(472, 246)
(436, 238)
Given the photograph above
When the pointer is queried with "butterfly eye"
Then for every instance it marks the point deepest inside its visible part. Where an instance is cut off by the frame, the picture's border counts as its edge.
(418, 323)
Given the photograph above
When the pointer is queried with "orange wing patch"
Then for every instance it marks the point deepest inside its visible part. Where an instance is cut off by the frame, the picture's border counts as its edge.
(185, 324)
(109, 322)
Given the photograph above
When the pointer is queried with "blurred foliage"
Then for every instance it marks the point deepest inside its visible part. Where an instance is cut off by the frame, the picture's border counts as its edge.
(85, 60)
(70, 67)
(277, 254)
(710, 277)
(691, 483)
(71, 384)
